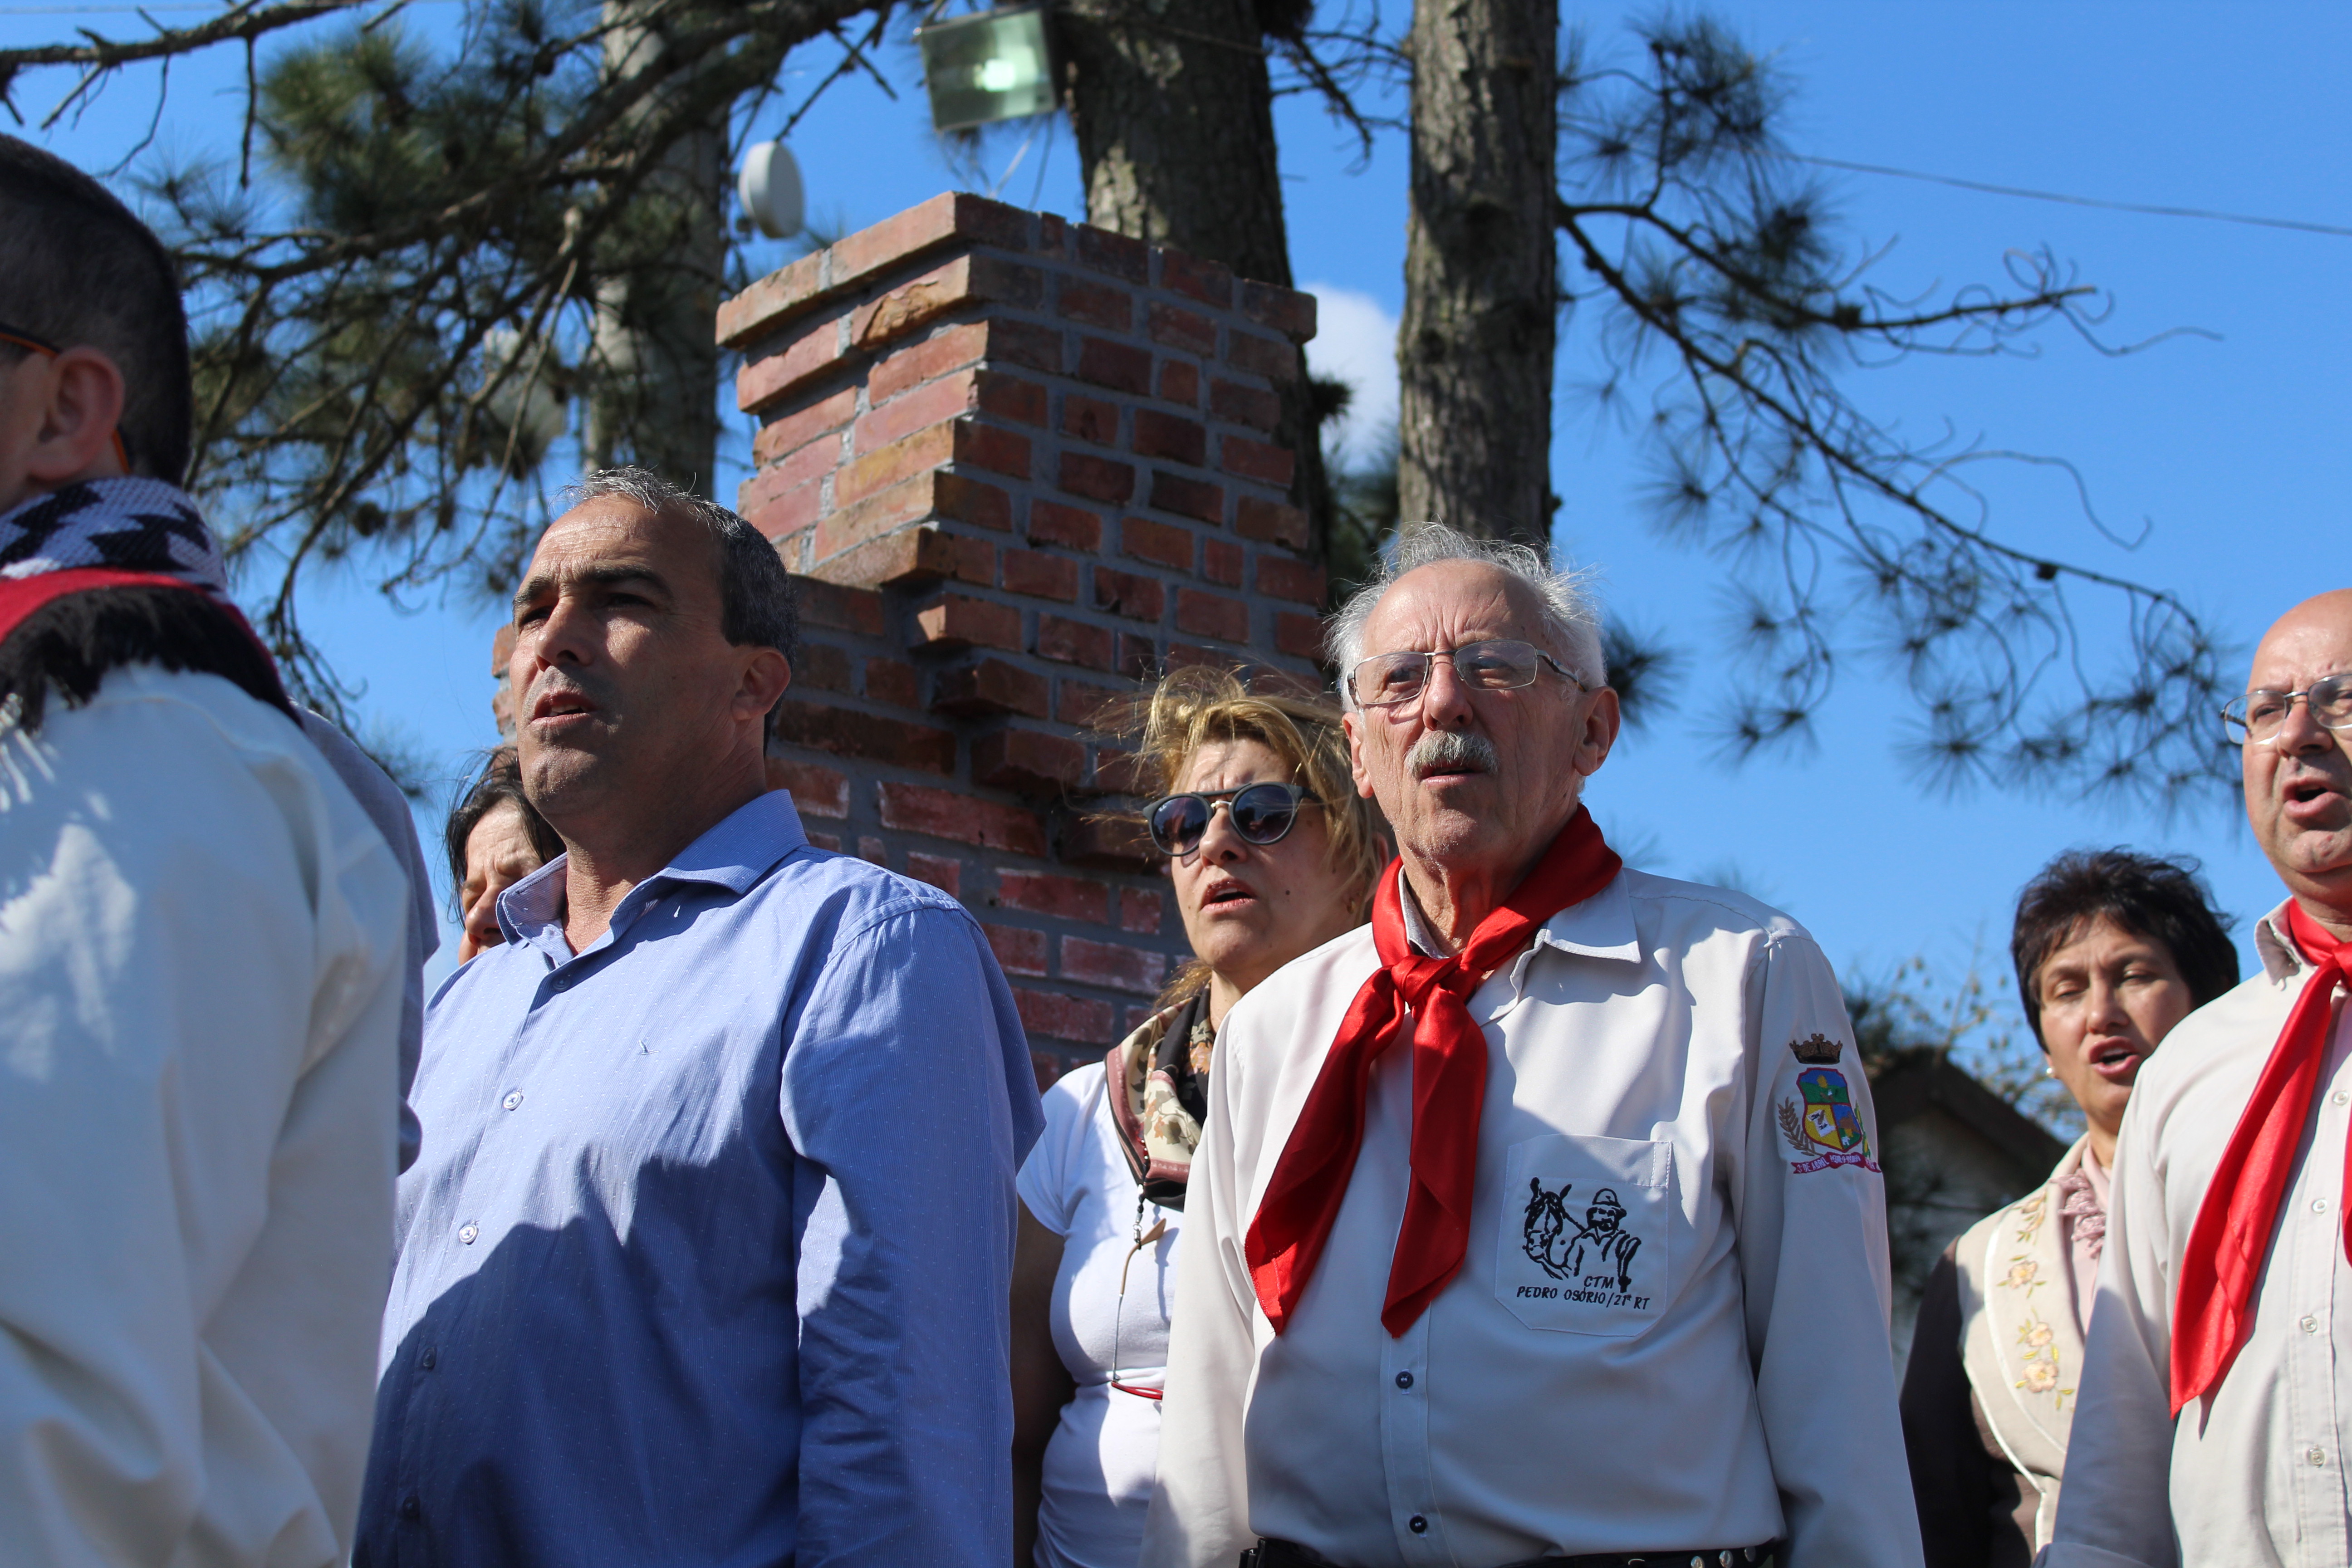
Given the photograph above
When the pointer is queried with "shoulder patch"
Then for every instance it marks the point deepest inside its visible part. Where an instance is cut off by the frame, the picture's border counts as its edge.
(1821, 1128)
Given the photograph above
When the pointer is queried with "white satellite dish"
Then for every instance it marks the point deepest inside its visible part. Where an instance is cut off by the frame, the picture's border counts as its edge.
(770, 186)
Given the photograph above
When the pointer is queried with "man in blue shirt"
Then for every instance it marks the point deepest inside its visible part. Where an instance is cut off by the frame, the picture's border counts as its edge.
(706, 1257)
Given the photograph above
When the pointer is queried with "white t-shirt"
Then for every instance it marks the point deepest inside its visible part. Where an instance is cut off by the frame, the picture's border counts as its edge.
(1100, 1462)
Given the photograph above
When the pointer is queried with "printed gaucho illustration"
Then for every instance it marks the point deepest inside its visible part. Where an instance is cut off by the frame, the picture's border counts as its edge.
(1566, 1248)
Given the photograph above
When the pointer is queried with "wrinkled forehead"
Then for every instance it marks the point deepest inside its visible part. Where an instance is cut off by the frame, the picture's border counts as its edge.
(1450, 603)
(613, 533)
(2312, 640)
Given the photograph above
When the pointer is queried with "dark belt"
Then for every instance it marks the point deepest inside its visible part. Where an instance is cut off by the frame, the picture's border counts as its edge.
(1271, 1553)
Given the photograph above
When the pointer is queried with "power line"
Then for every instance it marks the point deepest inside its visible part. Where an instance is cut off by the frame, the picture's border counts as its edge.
(2288, 223)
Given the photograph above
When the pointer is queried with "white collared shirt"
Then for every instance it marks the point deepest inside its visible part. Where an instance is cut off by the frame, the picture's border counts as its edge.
(201, 942)
(1709, 1369)
(2258, 1478)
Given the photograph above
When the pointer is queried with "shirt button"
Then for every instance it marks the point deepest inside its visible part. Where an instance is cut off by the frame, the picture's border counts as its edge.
(2319, 1205)
(513, 1099)
(430, 1359)
(1404, 1380)
(2315, 1456)
(467, 1234)
(411, 1509)
(2341, 1096)
(1420, 1526)
(2310, 1324)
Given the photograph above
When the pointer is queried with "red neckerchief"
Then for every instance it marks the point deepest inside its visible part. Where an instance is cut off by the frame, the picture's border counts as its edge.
(1449, 1091)
(20, 597)
(2214, 1306)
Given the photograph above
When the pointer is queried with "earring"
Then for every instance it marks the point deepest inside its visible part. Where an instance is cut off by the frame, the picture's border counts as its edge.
(2048, 1073)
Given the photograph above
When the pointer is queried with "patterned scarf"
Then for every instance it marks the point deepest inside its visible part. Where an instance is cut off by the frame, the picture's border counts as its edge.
(2086, 1216)
(1159, 1097)
(143, 526)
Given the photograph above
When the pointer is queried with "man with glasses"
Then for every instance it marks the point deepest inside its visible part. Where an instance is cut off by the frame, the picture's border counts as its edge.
(1539, 1221)
(2215, 1420)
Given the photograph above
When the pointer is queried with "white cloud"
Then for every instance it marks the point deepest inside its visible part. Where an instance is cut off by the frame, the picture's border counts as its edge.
(1355, 342)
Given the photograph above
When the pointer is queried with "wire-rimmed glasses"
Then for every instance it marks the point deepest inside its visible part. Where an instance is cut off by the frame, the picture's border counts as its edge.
(1497, 664)
(2257, 717)
(1261, 814)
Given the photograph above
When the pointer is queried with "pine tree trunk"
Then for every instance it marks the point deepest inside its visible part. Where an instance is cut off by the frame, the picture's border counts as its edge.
(1175, 115)
(1474, 353)
(653, 386)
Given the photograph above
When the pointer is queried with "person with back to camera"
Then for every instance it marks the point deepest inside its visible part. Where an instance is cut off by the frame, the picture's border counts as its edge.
(1271, 853)
(2215, 1420)
(494, 838)
(202, 948)
(2112, 950)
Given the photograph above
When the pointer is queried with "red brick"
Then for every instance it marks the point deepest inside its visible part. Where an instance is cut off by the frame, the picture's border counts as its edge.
(786, 434)
(1180, 381)
(1269, 357)
(1051, 522)
(827, 841)
(845, 734)
(1161, 435)
(966, 280)
(1094, 304)
(1082, 702)
(1210, 282)
(1212, 616)
(954, 814)
(1174, 327)
(1257, 459)
(880, 512)
(775, 507)
(987, 687)
(1113, 964)
(1184, 655)
(768, 303)
(1251, 405)
(1160, 542)
(1287, 579)
(1030, 344)
(1061, 1017)
(1270, 521)
(1221, 563)
(956, 215)
(1097, 479)
(1300, 637)
(1010, 397)
(792, 548)
(1019, 949)
(1052, 233)
(837, 607)
(1049, 893)
(951, 349)
(959, 620)
(1124, 773)
(1122, 256)
(930, 404)
(1125, 593)
(1115, 365)
(998, 451)
(1048, 1069)
(1286, 310)
(872, 848)
(891, 680)
(1138, 912)
(912, 558)
(900, 461)
(1038, 576)
(940, 872)
(1138, 657)
(822, 666)
(1066, 641)
(817, 790)
(1090, 419)
(1028, 762)
(764, 380)
(1188, 498)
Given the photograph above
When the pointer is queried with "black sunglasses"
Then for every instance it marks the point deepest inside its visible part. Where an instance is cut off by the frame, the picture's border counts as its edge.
(1261, 814)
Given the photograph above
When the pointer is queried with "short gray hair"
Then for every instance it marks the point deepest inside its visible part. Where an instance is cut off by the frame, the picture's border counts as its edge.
(1569, 612)
(757, 605)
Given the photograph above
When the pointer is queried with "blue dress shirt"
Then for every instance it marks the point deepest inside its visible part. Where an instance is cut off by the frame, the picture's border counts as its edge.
(707, 1258)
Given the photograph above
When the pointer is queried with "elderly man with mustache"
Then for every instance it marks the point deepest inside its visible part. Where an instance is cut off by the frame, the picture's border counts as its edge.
(2215, 1420)
(706, 1260)
(1539, 1222)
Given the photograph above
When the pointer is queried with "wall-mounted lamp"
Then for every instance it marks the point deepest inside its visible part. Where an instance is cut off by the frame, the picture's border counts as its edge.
(991, 66)
(769, 189)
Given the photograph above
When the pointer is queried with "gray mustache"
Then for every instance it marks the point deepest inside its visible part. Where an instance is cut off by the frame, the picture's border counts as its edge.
(1452, 750)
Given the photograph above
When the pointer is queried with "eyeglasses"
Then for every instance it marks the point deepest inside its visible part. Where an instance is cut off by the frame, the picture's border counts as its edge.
(1500, 664)
(1261, 814)
(25, 339)
(2256, 716)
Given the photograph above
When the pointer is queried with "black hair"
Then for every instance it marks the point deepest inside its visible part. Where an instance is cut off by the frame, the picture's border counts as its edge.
(66, 646)
(498, 783)
(78, 270)
(757, 606)
(2162, 899)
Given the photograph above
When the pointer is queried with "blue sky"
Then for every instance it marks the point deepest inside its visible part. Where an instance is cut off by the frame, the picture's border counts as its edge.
(2232, 451)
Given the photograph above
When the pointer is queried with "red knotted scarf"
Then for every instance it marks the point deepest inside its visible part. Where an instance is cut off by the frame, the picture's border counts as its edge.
(2215, 1304)
(1449, 1091)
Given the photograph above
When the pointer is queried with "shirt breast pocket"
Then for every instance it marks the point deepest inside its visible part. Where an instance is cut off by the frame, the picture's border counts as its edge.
(1584, 1230)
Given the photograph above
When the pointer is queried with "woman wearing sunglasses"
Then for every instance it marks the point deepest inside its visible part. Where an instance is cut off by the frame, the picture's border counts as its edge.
(1271, 853)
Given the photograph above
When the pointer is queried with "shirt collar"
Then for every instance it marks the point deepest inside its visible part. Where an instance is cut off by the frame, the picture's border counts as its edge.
(1600, 926)
(745, 845)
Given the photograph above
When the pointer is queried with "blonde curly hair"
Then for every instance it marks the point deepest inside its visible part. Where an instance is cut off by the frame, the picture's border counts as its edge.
(1200, 706)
